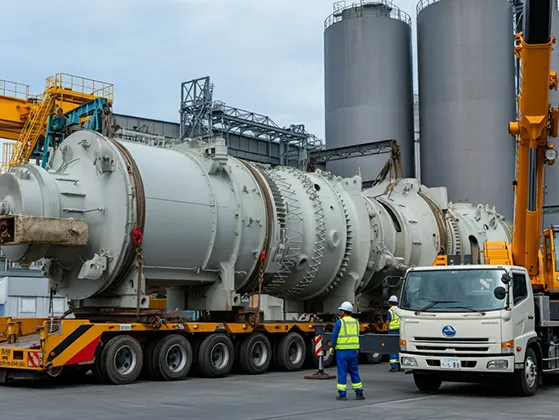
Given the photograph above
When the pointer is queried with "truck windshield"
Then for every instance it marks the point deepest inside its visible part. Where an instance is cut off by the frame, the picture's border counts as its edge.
(452, 290)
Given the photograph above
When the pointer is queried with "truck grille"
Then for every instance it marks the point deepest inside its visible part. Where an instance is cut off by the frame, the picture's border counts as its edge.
(454, 348)
(458, 346)
(474, 340)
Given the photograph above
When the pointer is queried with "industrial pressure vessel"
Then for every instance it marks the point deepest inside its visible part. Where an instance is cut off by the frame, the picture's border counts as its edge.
(368, 83)
(467, 99)
(216, 227)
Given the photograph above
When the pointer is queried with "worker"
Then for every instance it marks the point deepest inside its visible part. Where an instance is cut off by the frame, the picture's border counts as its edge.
(393, 325)
(345, 340)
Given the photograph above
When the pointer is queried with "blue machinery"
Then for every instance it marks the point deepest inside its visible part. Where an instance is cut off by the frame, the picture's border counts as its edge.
(59, 125)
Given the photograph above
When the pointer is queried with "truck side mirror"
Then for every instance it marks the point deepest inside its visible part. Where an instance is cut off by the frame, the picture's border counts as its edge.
(500, 292)
(505, 278)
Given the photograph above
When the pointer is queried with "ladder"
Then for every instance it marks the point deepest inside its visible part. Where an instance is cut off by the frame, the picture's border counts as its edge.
(33, 129)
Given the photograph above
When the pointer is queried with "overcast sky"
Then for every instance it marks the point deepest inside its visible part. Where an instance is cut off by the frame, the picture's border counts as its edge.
(264, 56)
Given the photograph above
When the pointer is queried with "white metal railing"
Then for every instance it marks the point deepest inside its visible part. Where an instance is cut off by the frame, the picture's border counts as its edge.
(339, 7)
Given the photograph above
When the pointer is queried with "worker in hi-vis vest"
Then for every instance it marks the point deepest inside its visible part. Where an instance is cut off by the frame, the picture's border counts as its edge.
(345, 340)
(393, 321)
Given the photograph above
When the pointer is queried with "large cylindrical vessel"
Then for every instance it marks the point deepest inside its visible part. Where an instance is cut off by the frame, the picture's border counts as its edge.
(216, 227)
(551, 197)
(368, 83)
(467, 99)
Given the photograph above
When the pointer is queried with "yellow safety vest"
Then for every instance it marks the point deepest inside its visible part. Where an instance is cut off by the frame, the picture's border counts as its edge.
(348, 337)
(394, 320)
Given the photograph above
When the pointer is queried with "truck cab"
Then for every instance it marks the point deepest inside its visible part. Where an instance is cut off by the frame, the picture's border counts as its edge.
(469, 322)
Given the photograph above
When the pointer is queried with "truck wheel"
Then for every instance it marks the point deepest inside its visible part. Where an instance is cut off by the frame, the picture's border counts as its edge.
(426, 382)
(148, 369)
(216, 355)
(172, 358)
(122, 360)
(372, 358)
(255, 354)
(526, 379)
(291, 351)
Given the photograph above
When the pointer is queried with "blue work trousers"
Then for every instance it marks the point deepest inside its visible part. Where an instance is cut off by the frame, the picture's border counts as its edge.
(394, 359)
(347, 362)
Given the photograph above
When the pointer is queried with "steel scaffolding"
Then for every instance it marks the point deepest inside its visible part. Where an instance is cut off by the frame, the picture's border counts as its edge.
(202, 117)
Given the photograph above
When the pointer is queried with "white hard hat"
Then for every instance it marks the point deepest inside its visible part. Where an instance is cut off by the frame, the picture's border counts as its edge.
(393, 299)
(346, 306)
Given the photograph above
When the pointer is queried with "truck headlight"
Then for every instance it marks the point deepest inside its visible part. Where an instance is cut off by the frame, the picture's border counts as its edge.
(408, 361)
(498, 364)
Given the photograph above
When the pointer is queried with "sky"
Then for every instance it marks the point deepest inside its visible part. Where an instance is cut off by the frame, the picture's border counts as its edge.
(264, 56)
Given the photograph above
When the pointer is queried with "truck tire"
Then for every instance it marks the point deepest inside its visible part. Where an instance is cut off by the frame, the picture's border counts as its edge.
(372, 358)
(148, 370)
(122, 360)
(255, 354)
(426, 382)
(216, 355)
(526, 379)
(291, 352)
(172, 358)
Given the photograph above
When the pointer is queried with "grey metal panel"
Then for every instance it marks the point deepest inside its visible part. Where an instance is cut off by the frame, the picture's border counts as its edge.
(551, 197)
(164, 128)
(368, 85)
(467, 99)
(28, 286)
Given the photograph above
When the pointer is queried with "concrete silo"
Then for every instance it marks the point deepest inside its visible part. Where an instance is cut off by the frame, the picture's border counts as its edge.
(551, 197)
(467, 99)
(368, 83)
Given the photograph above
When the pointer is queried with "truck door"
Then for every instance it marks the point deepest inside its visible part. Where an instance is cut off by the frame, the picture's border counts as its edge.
(523, 309)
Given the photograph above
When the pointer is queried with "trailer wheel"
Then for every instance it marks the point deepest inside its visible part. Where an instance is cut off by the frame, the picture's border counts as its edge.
(148, 369)
(426, 382)
(216, 355)
(291, 351)
(255, 354)
(172, 358)
(372, 358)
(526, 379)
(121, 360)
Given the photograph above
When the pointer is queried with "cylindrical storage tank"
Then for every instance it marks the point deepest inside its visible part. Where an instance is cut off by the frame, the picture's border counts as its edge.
(368, 83)
(551, 197)
(467, 99)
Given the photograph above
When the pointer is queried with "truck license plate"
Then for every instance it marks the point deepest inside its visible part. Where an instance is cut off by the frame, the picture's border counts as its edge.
(450, 363)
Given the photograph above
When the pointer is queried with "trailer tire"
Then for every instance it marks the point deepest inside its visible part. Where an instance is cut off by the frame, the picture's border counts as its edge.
(98, 372)
(372, 358)
(172, 358)
(148, 370)
(291, 352)
(526, 379)
(129, 365)
(426, 382)
(260, 344)
(216, 346)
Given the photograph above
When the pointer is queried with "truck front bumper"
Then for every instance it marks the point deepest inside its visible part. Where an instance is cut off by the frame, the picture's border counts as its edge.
(493, 364)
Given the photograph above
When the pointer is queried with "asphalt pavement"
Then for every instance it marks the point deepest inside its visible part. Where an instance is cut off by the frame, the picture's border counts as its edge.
(274, 395)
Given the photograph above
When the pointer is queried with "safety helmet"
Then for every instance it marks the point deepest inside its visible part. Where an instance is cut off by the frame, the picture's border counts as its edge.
(393, 299)
(346, 306)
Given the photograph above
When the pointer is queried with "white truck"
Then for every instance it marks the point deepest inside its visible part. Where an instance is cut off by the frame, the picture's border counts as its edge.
(469, 323)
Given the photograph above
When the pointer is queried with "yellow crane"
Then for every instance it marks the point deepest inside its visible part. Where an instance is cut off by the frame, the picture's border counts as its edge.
(24, 117)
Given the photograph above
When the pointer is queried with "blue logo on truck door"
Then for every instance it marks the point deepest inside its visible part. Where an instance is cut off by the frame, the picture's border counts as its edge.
(449, 331)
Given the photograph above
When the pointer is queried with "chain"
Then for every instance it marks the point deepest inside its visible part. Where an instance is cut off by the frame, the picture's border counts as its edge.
(137, 237)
